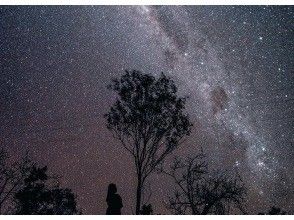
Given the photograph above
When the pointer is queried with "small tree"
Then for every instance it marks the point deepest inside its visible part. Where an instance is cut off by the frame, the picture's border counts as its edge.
(199, 193)
(12, 176)
(37, 197)
(148, 119)
(25, 189)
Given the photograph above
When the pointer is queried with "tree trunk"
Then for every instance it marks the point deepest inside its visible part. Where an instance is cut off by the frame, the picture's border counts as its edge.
(139, 193)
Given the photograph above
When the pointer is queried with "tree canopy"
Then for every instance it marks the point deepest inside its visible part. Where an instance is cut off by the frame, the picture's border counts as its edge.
(37, 197)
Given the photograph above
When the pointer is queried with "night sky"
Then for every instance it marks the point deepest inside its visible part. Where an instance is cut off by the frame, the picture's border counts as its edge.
(234, 62)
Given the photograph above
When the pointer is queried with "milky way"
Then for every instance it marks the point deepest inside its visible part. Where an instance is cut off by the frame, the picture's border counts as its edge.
(234, 62)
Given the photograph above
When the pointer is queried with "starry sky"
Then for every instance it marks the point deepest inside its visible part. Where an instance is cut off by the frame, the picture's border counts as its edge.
(234, 62)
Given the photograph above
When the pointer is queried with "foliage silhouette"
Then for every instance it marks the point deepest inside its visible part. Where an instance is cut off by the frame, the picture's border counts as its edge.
(274, 211)
(24, 189)
(12, 177)
(148, 119)
(37, 197)
(146, 210)
(113, 200)
(199, 193)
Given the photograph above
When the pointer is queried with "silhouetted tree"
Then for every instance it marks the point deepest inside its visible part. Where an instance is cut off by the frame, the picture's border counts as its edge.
(146, 210)
(148, 119)
(200, 193)
(12, 176)
(38, 198)
(274, 211)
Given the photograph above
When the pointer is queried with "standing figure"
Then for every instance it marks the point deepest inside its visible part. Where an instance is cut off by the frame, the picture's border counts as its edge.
(113, 200)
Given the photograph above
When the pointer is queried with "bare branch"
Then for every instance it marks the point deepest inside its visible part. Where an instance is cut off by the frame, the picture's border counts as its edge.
(200, 193)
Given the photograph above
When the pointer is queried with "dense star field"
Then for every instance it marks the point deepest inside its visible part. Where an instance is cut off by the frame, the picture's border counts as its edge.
(234, 62)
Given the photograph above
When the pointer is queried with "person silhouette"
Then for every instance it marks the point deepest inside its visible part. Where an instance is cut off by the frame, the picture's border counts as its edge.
(113, 200)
